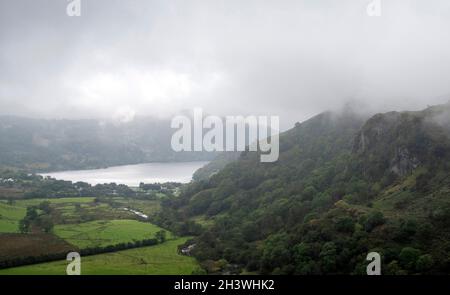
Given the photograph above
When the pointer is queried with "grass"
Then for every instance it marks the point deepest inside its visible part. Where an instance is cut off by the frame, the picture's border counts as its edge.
(102, 233)
(68, 213)
(162, 259)
(10, 216)
(112, 226)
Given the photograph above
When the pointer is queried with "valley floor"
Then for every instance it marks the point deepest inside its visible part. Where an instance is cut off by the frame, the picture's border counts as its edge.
(162, 259)
(86, 223)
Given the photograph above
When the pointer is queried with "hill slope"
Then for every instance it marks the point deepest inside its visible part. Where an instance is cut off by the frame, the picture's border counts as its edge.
(341, 188)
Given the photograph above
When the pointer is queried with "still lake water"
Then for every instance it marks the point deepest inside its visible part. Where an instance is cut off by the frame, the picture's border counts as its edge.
(132, 175)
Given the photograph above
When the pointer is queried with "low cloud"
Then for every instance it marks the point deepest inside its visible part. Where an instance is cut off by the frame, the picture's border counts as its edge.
(287, 58)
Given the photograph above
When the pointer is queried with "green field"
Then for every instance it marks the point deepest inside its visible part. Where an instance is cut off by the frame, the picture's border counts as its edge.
(101, 233)
(30, 202)
(162, 259)
(146, 206)
(10, 216)
(85, 223)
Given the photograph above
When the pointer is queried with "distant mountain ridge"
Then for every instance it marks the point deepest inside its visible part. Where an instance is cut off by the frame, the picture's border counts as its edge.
(44, 145)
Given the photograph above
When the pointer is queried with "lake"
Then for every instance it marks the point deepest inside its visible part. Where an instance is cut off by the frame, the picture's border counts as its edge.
(132, 175)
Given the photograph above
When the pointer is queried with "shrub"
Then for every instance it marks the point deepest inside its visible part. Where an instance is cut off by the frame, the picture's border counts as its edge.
(408, 257)
(373, 220)
(424, 263)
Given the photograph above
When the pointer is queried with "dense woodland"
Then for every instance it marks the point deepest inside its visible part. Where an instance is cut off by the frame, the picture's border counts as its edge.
(343, 186)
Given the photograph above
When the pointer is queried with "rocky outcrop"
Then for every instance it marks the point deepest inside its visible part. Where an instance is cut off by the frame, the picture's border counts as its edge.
(399, 142)
(403, 162)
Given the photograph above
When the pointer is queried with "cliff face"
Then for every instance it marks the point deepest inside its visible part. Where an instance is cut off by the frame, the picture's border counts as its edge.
(399, 142)
(403, 162)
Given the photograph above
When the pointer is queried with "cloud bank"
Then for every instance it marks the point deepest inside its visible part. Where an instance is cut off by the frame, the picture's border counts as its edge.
(289, 58)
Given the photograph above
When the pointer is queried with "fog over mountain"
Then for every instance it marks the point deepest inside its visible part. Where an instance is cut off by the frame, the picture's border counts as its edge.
(290, 58)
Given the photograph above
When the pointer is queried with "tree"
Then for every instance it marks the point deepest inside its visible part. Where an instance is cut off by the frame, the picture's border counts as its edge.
(30, 217)
(424, 263)
(394, 269)
(345, 224)
(24, 225)
(276, 252)
(408, 257)
(160, 236)
(31, 213)
(328, 257)
(407, 230)
(308, 193)
(321, 200)
(45, 206)
(46, 223)
(304, 260)
(373, 220)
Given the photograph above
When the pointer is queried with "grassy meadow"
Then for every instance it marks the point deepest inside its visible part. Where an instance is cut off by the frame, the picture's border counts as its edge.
(88, 223)
(162, 259)
(10, 216)
(101, 233)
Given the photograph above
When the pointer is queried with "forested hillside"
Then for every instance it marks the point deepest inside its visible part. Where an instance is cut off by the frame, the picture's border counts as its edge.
(217, 164)
(343, 186)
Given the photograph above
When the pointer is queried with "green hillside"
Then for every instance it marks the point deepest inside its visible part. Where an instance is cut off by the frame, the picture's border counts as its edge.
(343, 186)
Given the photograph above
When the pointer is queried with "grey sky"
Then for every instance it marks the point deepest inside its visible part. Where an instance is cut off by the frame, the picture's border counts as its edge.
(287, 58)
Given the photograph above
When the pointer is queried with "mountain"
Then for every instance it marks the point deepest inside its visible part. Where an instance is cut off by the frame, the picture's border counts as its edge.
(44, 145)
(343, 186)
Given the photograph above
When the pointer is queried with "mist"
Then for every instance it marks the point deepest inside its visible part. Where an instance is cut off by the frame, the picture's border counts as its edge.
(118, 59)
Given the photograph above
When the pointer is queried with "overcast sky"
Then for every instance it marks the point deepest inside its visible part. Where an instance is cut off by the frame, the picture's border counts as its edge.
(288, 58)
